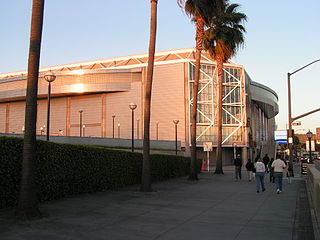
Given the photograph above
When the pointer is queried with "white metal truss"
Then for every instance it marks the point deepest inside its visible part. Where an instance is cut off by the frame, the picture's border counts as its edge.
(235, 86)
(126, 62)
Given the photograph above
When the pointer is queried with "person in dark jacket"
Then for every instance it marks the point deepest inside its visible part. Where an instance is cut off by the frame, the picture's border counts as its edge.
(290, 173)
(249, 167)
(271, 170)
(266, 160)
(238, 165)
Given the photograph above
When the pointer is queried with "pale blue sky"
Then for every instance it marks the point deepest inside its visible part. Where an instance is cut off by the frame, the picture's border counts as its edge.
(282, 36)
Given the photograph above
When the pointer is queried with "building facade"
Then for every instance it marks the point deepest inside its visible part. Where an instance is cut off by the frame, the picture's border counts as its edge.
(99, 93)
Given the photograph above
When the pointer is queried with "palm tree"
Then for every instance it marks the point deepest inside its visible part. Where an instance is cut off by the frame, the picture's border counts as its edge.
(28, 201)
(222, 40)
(201, 12)
(146, 170)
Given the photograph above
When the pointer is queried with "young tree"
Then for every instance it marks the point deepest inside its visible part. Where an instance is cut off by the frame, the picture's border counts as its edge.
(146, 165)
(222, 40)
(28, 201)
(201, 12)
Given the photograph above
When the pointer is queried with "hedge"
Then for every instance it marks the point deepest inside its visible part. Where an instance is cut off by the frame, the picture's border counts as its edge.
(66, 169)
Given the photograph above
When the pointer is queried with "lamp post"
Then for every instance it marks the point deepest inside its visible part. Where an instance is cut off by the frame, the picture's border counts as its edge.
(290, 118)
(138, 127)
(118, 130)
(113, 116)
(176, 121)
(49, 77)
(309, 135)
(132, 106)
(83, 129)
(80, 124)
(157, 130)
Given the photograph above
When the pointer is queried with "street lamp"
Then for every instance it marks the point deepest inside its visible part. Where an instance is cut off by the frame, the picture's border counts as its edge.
(290, 118)
(80, 124)
(138, 127)
(113, 116)
(118, 130)
(42, 130)
(309, 135)
(49, 77)
(176, 121)
(132, 106)
(157, 130)
(83, 129)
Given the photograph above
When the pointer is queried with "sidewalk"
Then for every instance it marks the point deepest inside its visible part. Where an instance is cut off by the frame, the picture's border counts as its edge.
(215, 207)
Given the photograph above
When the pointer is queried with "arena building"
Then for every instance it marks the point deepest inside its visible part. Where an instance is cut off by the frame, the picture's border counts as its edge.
(92, 99)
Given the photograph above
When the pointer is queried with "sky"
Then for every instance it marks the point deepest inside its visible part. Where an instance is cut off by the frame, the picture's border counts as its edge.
(281, 36)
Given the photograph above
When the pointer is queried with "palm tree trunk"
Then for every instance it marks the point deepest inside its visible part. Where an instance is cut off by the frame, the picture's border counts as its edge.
(28, 202)
(199, 36)
(146, 165)
(219, 169)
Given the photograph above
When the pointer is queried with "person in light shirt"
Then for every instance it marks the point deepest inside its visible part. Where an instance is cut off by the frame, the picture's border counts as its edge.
(260, 171)
(278, 166)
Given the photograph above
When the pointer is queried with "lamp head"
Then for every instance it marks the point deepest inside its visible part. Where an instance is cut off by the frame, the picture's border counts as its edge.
(309, 134)
(175, 121)
(50, 77)
(132, 106)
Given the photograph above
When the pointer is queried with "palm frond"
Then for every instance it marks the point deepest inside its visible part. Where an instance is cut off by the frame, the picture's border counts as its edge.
(225, 36)
(232, 7)
(206, 9)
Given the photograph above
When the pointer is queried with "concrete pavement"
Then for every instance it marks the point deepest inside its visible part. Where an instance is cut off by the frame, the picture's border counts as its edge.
(215, 207)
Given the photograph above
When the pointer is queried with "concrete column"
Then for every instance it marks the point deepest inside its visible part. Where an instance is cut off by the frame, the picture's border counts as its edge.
(244, 155)
(68, 104)
(103, 115)
(7, 117)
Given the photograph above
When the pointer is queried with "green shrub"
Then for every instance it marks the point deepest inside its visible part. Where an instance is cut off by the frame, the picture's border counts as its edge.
(65, 169)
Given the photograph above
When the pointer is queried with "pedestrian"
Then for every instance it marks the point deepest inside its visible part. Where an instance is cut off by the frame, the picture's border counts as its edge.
(271, 170)
(249, 167)
(238, 165)
(278, 166)
(290, 173)
(260, 171)
(266, 160)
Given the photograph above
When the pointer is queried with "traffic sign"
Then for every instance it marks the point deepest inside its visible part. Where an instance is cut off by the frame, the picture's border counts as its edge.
(207, 146)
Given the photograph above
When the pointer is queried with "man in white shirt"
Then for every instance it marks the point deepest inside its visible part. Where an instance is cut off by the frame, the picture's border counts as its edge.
(278, 166)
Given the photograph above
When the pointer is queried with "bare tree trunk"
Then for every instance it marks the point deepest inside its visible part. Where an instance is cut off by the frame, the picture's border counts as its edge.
(28, 201)
(199, 36)
(146, 165)
(219, 169)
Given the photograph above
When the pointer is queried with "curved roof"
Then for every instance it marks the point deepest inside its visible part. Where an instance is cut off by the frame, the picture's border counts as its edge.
(265, 98)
